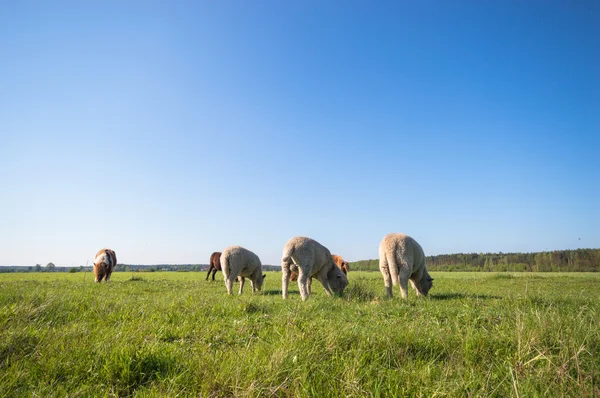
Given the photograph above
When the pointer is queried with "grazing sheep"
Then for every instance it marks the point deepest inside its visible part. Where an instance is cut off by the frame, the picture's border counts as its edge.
(214, 264)
(343, 265)
(401, 258)
(309, 258)
(104, 264)
(237, 261)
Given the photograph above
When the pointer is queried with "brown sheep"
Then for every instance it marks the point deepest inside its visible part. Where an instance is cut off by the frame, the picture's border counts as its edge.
(214, 264)
(104, 264)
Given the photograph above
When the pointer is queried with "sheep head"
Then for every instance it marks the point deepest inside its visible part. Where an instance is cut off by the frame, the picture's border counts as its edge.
(424, 284)
(337, 280)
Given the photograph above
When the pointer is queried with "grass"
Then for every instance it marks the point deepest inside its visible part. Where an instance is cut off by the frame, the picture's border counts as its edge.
(175, 334)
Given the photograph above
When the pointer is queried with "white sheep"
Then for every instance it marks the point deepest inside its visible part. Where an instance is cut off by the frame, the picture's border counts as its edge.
(309, 258)
(401, 258)
(237, 261)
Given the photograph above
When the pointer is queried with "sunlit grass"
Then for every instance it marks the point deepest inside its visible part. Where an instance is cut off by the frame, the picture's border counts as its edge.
(167, 334)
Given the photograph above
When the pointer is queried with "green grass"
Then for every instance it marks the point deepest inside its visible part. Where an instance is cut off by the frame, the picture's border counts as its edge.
(174, 334)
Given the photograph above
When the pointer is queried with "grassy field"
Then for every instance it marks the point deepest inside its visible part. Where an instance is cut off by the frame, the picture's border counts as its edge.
(174, 334)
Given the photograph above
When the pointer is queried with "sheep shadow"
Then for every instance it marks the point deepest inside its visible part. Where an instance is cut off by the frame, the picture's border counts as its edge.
(278, 292)
(458, 296)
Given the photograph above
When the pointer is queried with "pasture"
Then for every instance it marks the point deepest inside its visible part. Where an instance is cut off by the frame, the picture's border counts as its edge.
(175, 334)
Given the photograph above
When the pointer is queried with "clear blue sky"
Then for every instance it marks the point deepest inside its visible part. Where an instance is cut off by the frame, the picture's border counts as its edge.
(169, 130)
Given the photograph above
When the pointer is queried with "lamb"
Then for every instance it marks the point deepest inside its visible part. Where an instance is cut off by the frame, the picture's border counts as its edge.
(401, 258)
(237, 261)
(104, 264)
(339, 261)
(309, 258)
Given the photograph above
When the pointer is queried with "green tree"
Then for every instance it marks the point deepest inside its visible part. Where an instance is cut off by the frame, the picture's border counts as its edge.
(38, 268)
(50, 267)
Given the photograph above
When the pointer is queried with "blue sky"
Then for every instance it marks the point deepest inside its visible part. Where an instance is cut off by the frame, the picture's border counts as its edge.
(169, 130)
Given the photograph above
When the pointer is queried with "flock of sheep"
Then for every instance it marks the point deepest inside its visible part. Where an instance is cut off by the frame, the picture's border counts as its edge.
(401, 259)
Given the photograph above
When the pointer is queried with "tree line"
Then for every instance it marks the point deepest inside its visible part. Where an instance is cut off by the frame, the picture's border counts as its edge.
(50, 267)
(579, 260)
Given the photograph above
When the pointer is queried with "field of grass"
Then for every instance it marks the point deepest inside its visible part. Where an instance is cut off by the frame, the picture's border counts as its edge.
(174, 334)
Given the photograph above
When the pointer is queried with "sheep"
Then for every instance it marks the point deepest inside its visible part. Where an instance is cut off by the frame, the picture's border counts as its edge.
(339, 261)
(237, 261)
(104, 264)
(214, 264)
(309, 258)
(401, 258)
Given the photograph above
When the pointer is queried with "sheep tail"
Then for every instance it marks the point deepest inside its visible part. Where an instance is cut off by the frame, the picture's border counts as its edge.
(287, 258)
(225, 266)
(391, 260)
(287, 261)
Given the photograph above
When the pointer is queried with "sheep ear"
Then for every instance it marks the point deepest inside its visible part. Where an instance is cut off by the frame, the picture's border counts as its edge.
(430, 279)
(264, 275)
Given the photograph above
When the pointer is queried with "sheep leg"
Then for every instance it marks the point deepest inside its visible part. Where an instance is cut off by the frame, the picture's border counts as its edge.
(387, 281)
(322, 277)
(387, 278)
(229, 285)
(309, 286)
(302, 284)
(285, 279)
(403, 280)
(242, 281)
(98, 273)
(414, 285)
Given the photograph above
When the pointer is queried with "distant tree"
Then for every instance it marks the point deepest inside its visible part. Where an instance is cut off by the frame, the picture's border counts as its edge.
(38, 268)
(30, 268)
(72, 270)
(50, 267)
(539, 262)
(489, 263)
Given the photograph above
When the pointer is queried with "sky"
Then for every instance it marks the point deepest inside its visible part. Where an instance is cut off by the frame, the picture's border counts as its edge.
(169, 130)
